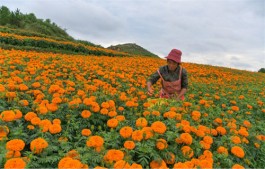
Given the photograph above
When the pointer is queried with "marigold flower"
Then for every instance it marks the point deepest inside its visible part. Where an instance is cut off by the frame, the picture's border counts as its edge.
(126, 132)
(221, 130)
(161, 144)
(120, 117)
(170, 158)
(95, 141)
(55, 128)
(147, 132)
(8, 115)
(236, 139)
(138, 166)
(238, 151)
(137, 135)
(141, 122)
(86, 132)
(187, 151)
(15, 145)
(121, 164)
(208, 139)
(68, 162)
(186, 138)
(73, 154)
(158, 164)
(159, 127)
(180, 165)
(237, 166)
(114, 155)
(130, 145)
(86, 114)
(15, 163)
(112, 123)
(29, 116)
(38, 145)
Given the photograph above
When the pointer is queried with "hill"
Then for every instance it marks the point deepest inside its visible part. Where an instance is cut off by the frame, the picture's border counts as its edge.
(133, 49)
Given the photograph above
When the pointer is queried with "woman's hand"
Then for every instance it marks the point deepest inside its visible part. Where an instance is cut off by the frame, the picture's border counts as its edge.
(150, 91)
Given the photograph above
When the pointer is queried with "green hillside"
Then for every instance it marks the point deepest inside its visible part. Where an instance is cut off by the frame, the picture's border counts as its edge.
(133, 49)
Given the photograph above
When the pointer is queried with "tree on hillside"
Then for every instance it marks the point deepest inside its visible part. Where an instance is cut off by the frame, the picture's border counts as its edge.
(4, 15)
(262, 70)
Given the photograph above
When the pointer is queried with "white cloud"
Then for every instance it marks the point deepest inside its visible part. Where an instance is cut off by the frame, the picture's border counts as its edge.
(208, 32)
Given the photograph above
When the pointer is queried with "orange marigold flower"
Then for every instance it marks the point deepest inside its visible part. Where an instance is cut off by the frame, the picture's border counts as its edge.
(55, 128)
(126, 132)
(158, 164)
(161, 144)
(18, 114)
(86, 132)
(243, 132)
(137, 135)
(237, 166)
(208, 139)
(159, 127)
(114, 155)
(235, 108)
(86, 114)
(15, 145)
(112, 123)
(23, 102)
(73, 154)
(238, 151)
(35, 121)
(147, 132)
(141, 122)
(186, 138)
(120, 117)
(130, 145)
(138, 166)
(236, 139)
(29, 116)
(196, 115)
(38, 145)
(95, 141)
(68, 162)
(180, 165)
(121, 164)
(221, 130)
(8, 116)
(187, 151)
(15, 163)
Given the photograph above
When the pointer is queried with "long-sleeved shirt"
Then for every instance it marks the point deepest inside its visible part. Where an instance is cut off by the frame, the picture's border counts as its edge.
(170, 76)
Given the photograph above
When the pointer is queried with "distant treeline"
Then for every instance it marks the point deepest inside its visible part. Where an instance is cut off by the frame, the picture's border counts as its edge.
(30, 22)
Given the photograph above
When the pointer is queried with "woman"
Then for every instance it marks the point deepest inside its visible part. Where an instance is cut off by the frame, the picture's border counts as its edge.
(174, 77)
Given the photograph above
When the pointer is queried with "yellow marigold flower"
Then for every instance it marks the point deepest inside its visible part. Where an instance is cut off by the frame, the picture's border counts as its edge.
(159, 127)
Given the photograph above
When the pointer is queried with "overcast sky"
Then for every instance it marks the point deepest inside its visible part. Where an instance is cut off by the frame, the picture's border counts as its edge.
(229, 33)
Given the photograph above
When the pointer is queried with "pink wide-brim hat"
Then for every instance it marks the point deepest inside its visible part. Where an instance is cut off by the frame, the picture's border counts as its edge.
(175, 55)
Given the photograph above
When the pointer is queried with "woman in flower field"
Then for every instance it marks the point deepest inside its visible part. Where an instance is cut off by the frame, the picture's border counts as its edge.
(174, 77)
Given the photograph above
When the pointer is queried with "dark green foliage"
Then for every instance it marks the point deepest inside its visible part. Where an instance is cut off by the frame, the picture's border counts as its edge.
(133, 49)
(262, 70)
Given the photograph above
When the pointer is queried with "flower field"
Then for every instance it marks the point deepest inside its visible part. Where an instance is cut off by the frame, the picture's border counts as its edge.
(65, 111)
